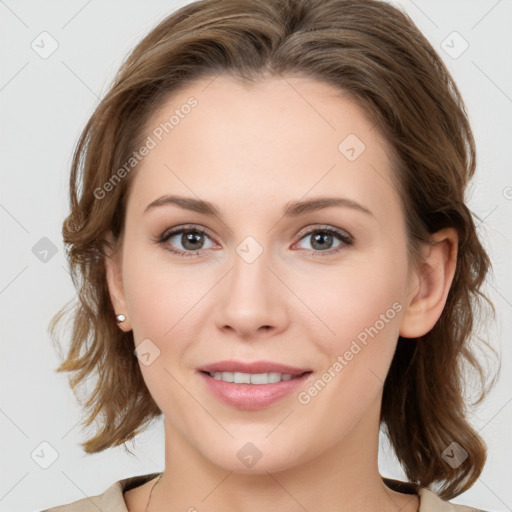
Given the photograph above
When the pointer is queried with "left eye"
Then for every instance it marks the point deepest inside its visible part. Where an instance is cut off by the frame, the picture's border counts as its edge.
(321, 240)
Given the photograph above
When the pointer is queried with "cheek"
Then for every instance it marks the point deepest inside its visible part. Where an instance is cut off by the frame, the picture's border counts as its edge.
(362, 306)
(355, 298)
(158, 293)
(364, 314)
(162, 304)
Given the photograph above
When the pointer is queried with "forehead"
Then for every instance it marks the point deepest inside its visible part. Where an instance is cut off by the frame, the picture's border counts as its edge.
(279, 138)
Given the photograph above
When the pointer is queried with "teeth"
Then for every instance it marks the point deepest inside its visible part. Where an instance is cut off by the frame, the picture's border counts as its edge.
(251, 378)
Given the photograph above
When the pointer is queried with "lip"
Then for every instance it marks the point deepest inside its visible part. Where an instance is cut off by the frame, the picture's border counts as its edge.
(252, 367)
(252, 396)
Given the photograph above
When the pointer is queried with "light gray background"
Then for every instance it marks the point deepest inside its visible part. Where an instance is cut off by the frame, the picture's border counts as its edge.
(44, 106)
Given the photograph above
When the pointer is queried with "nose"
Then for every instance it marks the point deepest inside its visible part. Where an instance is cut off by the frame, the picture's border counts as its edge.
(252, 300)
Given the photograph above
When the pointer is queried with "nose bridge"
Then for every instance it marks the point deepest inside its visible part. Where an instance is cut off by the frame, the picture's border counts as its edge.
(249, 279)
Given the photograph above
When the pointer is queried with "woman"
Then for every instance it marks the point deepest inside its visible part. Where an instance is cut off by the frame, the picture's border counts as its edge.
(271, 248)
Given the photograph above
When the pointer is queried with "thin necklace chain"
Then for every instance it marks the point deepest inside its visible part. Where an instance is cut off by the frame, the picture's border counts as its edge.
(152, 488)
(161, 474)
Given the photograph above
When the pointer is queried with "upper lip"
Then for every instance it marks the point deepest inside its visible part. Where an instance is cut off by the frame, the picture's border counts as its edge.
(252, 367)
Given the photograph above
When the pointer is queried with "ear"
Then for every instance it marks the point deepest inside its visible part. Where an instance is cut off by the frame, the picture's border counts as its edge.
(429, 286)
(114, 275)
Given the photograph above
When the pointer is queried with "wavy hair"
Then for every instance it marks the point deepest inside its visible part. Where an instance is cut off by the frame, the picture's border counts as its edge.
(375, 54)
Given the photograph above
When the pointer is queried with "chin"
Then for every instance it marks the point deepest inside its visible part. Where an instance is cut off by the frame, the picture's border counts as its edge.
(255, 457)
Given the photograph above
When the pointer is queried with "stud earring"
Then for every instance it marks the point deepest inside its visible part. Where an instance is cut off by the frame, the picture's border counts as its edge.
(120, 318)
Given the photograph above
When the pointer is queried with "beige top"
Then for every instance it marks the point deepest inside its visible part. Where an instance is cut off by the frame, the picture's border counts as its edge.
(112, 499)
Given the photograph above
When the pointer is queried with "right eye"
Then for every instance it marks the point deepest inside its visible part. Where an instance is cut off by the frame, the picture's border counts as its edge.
(191, 240)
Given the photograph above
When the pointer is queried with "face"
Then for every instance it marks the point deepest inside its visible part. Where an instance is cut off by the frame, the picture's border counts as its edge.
(321, 287)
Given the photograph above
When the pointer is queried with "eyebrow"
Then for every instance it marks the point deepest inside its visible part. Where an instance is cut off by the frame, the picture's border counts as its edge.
(292, 208)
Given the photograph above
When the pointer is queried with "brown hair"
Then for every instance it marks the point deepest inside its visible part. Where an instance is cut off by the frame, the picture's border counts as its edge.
(374, 53)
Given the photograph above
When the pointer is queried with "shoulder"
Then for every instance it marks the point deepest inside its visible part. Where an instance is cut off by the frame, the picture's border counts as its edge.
(430, 502)
(111, 500)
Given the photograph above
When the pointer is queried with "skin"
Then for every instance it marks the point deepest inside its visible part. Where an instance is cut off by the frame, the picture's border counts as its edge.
(250, 150)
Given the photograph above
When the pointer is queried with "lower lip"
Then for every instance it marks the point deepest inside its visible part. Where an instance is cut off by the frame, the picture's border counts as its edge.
(252, 396)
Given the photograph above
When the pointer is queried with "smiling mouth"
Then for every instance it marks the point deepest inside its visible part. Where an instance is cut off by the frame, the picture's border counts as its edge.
(253, 378)
(253, 391)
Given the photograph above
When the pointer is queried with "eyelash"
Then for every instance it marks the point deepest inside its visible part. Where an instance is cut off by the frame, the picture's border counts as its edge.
(346, 240)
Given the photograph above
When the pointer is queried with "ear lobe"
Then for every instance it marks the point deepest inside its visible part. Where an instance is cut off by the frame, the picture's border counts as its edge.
(114, 277)
(431, 284)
